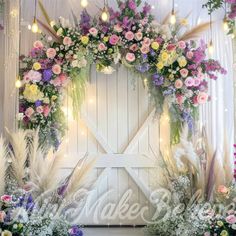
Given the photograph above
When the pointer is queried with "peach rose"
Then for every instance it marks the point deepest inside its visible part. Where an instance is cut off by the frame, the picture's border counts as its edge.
(2, 216)
(133, 47)
(146, 41)
(180, 99)
(38, 44)
(102, 47)
(202, 98)
(39, 109)
(56, 69)
(46, 110)
(178, 83)
(184, 72)
(93, 31)
(145, 49)
(129, 35)
(29, 112)
(67, 41)
(51, 53)
(182, 44)
(138, 36)
(130, 57)
(189, 55)
(118, 28)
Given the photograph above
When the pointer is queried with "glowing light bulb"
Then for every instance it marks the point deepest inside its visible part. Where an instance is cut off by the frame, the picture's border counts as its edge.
(211, 48)
(29, 27)
(84, 3)
(173, 18)
(225, 24)
(34, 27)
(18, 83)
(105, 14)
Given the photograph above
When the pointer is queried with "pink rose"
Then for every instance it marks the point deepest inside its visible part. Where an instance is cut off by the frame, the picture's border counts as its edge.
(195, 101)
(93, 31)
(182, 44)
(138, 36)
(56, 69)
(130, 57)
(200, 75)
(184, 72)
(178, 84)
(51, 53)
(171, 47)
(102, 47)
(32, 75)
(202, 98)
(134, 47)
(146, 41)
(189, 82)
(222, 189)
(180, 99)
(197, 82)
(29, 112)
(189, 54)
(2, 216)
(231, 219)
(118, 28)
(145, 49)
(38, 44)
(60, 80)
(114, 39)
(56, 82)
(129, 35)
(46, 110)
(6, 198)
(39, 109)
(67, 41)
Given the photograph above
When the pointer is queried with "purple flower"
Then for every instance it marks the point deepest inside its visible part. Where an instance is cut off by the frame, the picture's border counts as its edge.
(169, 91)
(47, 75)
(158, 80)
(142, 67)
(146, 8)
(132, 5)
(186, 116)
(84, 22)
(75, 231)
(38, 103)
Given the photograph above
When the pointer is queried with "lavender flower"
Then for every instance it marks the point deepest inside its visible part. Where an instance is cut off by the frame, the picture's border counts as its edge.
(132, 5)
(85, 22)
(158, 80)
(186, 116)
(169, 91)
(142, 67)
(75, 231)
(146, 9)
(47, 75)
(38, 103)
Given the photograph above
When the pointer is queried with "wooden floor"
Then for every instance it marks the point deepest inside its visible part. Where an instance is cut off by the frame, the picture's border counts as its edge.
(113, 232)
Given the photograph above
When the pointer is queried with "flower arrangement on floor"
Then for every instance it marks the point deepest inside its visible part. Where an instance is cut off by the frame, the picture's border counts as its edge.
(197, 192)
(173, 67)
(34, 201)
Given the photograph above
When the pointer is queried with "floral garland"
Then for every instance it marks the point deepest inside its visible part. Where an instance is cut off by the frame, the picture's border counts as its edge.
(173, 68)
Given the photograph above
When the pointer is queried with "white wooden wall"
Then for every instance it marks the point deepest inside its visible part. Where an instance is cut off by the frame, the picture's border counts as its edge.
(117, 126)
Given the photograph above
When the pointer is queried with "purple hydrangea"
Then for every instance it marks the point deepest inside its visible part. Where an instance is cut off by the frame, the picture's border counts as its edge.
(158, 80)
(38, 103)
(47, 75)
(75, 231)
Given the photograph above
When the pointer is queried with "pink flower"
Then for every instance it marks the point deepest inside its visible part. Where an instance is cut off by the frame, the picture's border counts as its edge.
(184, 72)
(222, 189)
(189, 55)
(6, 198)
(178, 83)
(32, 75)
(56, 69)
(231, 219)
(2, 216)
(146, 41)
(171, 47)
(197, 82)
(189, 82)
(134, 47)
(130, 57)
(182, 44)
(67, 41)
(129, 35)
(118, 28)
(180, 99)
(207, 234)
(56, 82)
(114, 39)
(138, 36)
(46, 110)
(93, 31)
(39, 109)
(145, 49)
(202, 98)
(51, 53)
(195, 100)
(102, 47)
(60, 80)
(38, 44)
(29, 112)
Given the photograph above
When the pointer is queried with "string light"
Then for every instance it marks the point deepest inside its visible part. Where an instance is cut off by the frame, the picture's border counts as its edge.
(105, 16)
(173, 16)
(225, 24)
(34, 27)
(84, 3)
(18, 83)
(211, 48)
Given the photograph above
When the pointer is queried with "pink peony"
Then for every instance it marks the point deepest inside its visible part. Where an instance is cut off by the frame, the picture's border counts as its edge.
(29, 112)
(184, 72)
(133, 47)
(93, 31)
(102, 47)
(178, 83)
(231, 219)
(38, 44)
(138, 36)
(32, 75)
(145, 49)
(189, 82)
(118, 28)
(2, 216)
(129, 35)
(6, 198)
(222, 189)
(56, 69)
(202, 98)
(189, 55)
(182, 44)
(180, 99)
(114, 39)
(39, 109)
(51, 53)
(146, 41)
(67, 41)
(130, 57)
(171, 47)
(46, 110)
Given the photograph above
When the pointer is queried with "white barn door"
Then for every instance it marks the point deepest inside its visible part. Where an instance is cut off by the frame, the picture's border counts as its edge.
(117, 126)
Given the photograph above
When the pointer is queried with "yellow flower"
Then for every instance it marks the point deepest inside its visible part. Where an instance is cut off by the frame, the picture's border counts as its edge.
(224, 233)
(155, 45)
(54, 97)
(6, 233)
(46, 100)
(182, 61)
(105, 39)
(184, 21)
(32, 93)
(164, 56)
(160, 65)
(219, 223)
(84, 40)
(36, 66)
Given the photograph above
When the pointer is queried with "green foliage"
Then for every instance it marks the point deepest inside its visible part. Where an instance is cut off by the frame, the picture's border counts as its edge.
(213, 5)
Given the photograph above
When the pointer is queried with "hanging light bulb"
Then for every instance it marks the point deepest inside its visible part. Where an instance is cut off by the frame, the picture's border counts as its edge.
(105, 16)
(34, 27)
(173, 17)
(18, 83)
(84, 3)
(225, 24)
(211, 48)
